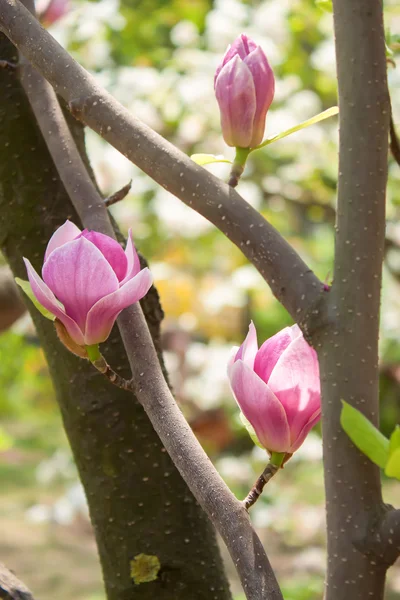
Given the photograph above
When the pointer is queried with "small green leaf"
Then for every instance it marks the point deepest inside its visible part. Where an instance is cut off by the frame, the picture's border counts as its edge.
(208, 159)
(392, 468)
(144, 568)
(250, 430)
(26, 288)
(365, 435)
(326, 5)
(394, 442)
(330, 112)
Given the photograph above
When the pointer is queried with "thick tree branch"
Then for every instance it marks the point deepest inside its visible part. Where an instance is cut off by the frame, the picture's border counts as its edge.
(292, 282)
(348, 348)
(227, 513)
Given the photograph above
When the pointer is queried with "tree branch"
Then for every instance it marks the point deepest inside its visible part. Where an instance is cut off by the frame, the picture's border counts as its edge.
(348, 348)
(11, 304)
(224, 510)
(11, 588)
(292, 282)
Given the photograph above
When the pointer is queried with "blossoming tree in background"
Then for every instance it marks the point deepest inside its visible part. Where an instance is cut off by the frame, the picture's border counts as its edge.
(88, 282)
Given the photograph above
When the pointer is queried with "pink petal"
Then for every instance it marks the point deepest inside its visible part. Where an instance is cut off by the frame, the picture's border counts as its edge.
(260, 407)
(305, 431)
(269, 353)
(248, 350)
(264, 83)
(236, 96)
(101, 317)
(295, 382)
(47, 299)
(111, 251)
(66, 233)
(79, 275)
(133, 261)
(242, 46)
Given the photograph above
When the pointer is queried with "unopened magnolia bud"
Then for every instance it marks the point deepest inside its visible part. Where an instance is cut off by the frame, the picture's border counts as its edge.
(244, 86)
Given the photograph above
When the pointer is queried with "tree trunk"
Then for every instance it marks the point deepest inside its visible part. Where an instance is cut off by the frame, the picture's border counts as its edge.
(138, 502)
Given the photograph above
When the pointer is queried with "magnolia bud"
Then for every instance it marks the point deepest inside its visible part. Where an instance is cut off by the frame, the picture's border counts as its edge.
(244, 86)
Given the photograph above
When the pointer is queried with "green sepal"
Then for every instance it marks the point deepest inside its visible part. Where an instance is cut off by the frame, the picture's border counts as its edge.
(26, 288)
(392, 468)
(365, 435)
(208, 159)
(330, 112)
(93, 352)
(250, 430)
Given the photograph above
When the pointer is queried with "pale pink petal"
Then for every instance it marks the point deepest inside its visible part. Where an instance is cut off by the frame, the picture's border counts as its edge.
(305, 431)
(248, 350)
(79, 275)
(236, 96)
(269, 353)
(295, 382)
(102, 316)
(66, 233)
(132, 257)
(111, 251)
(47, 299)
(264, 83)
(232, 359)
(242, 46)
(260, 407)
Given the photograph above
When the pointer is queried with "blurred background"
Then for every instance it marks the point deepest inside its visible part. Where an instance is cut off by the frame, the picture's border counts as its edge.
(158, 58)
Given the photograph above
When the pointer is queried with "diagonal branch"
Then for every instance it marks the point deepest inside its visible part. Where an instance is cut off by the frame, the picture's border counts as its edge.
(224, 510)
(11, 588)
(292, 282)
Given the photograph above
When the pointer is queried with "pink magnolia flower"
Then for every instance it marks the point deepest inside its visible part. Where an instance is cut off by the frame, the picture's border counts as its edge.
(87, 281)
(244, 86)
(277, 387)
(50, 11)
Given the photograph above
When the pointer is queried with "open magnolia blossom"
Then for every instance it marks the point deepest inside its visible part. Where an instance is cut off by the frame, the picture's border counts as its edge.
(277, 388)
(88, 279)
(244, 86)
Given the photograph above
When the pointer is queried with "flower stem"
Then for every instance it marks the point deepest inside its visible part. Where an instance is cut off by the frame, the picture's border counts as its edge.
(100, 363)
(238, 166)
(275, 463)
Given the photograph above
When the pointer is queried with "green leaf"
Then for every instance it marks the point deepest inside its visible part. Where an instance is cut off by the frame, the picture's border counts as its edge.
(326, 5)
(208, 159)
(330, 112)
(365, 435)
(250, 430)
(392, 468)
(26, 288)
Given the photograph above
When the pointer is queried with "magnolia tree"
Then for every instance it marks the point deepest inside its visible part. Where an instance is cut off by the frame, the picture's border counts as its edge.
(146, 477)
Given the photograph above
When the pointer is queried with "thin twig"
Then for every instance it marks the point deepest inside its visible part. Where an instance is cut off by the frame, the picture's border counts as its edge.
(102, 365)
(394, 141)
(225, 511)
(256, 491)
(118, 195)
(292, 282)
(10, 66)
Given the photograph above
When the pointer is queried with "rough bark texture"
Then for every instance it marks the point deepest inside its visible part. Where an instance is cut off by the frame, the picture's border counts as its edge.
(348, 348)
(11, 588)
(138, 501)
